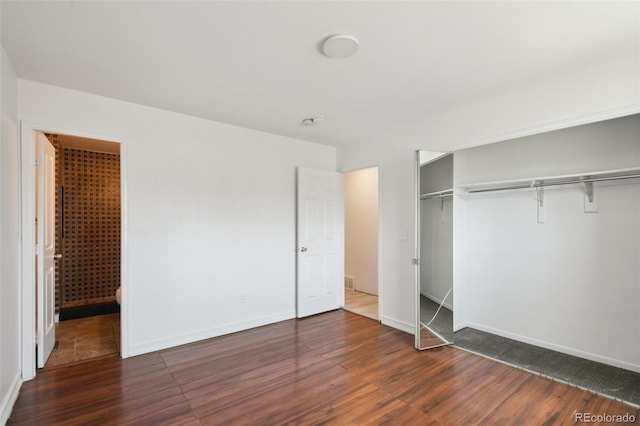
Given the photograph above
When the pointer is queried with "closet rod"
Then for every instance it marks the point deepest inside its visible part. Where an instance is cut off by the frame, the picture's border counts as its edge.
(539, 184)
(437, 194)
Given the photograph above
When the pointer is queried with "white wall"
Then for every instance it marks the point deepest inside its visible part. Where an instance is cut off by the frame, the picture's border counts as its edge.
(397, 227)
(361, 228)
(211, 214)
(9, 237)
(592, 93)
(573, 283)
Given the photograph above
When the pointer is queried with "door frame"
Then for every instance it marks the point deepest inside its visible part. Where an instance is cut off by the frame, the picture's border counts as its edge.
(364, 166)
(27, 238)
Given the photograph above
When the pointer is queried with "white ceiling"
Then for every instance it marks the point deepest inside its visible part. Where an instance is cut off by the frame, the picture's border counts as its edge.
(258, 64)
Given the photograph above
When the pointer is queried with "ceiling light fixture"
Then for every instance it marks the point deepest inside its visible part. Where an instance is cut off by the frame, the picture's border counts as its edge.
(340, 46)
(313, 120)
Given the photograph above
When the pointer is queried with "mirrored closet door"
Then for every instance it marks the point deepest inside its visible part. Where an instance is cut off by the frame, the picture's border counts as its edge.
(434, 278)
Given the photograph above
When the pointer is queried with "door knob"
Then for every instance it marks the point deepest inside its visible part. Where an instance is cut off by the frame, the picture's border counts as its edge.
(57, 256)
(303, 249)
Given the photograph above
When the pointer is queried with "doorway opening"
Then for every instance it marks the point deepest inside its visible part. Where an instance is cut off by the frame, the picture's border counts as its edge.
(361, 224)
(37, 317)
(87, 247)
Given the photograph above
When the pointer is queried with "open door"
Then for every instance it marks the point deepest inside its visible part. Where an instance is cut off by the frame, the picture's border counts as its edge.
(45, 249)
(434, 249)
(320, 241)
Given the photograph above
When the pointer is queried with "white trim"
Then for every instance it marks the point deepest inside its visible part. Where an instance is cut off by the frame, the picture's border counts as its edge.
(124, 253)
(399, 325)
(558, 348)
(417, 224)
(458, 327)
(209, 333)
(579, 120)
(438, 156)
(380, 245)
(364, 166)
(27, 260)
(10, 399)
(360, 166)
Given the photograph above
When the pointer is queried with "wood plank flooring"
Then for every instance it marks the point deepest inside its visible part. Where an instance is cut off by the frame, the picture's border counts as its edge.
(361, 303)
(335, 368)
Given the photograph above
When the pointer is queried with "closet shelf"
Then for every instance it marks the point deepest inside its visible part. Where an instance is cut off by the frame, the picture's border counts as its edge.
(586, 179)
(437, 194)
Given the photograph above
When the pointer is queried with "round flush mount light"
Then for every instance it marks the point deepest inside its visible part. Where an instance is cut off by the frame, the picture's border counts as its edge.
(313, 120)
(340, 46)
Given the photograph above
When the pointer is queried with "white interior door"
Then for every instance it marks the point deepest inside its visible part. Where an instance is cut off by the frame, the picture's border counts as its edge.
(46, 247)
(320, 241)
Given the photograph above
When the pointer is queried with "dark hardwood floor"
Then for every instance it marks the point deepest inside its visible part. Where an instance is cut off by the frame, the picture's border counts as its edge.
(335, 368)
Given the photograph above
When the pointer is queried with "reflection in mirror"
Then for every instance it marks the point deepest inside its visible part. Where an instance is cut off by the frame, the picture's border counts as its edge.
(436, 323)
(435, 248)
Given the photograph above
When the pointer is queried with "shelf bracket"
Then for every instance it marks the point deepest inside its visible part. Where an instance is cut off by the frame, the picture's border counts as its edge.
(540, 203)
(588, 189)
(540, 197)
(590, 202)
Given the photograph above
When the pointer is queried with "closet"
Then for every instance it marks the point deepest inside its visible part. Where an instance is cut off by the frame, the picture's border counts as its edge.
(547, 240)
(435, 251)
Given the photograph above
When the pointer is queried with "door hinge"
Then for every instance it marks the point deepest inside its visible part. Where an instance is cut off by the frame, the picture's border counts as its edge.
(35, 249)
(415, 261)
(38, 161)
(37, 338)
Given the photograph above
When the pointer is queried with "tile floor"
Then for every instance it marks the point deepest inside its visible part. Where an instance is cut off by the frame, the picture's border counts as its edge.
(361, 303)
(85, 338)
(616, 383)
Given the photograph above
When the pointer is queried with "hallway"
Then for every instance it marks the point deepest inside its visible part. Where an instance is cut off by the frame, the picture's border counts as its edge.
(361, 303)
(85, 338)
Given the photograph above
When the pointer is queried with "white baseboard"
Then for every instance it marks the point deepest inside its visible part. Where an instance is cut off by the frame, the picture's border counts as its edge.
(10, 399)
(233, 328)
(208, 333)
(559, 348)
(399, 325)
(458, 327)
